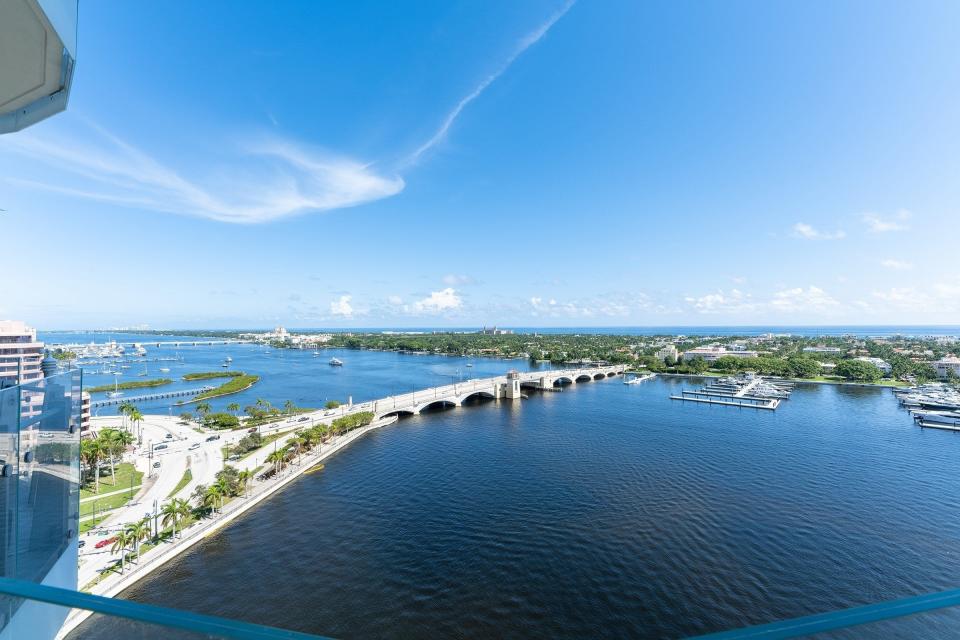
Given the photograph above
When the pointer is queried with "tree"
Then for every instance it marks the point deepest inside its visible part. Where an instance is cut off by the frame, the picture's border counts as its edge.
(186, 416)
(278, 458)
(699, 365)
(136, 417)
(289, 407)
(173, 512)
(212, 496)
(233, 408)
(858, 370)
(244, 477)
(137, 532)
(91, 451)
(332, 404)
(121, 541)
(202, 409)
(803, 366)
(111, 443)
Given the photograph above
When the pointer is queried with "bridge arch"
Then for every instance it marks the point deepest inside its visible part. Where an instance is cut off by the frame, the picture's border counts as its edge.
(600, 376)
(400, 413)
(584, 376)
(476, 395)
(437, 405)
(563, 380)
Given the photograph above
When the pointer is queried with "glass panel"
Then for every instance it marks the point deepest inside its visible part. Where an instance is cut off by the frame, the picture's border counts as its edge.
(104, 627)
(39, 492)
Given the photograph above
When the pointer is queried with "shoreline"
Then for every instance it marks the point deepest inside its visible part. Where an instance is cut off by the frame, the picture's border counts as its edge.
(110, 587)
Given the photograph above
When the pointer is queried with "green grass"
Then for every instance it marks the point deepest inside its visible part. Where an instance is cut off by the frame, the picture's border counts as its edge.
(208, 375)
(235, 385)
(125, 471)
(187, 477)
(266, 440)
(136, 384)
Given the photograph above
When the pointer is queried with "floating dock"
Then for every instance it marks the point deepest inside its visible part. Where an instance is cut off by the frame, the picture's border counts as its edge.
(751, 392)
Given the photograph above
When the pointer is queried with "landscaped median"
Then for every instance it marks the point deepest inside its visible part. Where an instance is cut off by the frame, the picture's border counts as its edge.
(114, 492)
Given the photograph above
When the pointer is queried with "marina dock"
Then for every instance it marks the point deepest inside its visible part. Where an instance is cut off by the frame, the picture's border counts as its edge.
(751, 392)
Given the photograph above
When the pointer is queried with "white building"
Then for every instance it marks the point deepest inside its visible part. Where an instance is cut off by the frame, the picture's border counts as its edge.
(947, 364)
(712, 352)
(879, 363)
(819, 349)
(20, 353)
(669, 351)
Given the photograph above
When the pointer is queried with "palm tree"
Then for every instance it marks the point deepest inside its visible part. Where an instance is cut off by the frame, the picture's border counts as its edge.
(288, 406)
(202, 410)
(125, 407)
(110, 441)
(186, 416)
(136, 417)
(244, 478)
(120, 542)
(212, 496)
(233, 408)
(277, 458)
(173, 511)
(92, 453)
(137, 532)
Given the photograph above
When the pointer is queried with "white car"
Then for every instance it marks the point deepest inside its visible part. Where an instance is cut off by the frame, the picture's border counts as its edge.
(195, 445)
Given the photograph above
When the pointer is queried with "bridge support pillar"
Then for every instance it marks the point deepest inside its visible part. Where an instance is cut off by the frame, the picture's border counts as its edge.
(513, 386)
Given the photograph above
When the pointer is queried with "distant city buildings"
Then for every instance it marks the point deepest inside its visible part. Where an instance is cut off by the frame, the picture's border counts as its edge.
(944, 366)
(494, 331)
(712, 352)
(821, 349)
(879, 363)
(20, 353)
(669, 351)
(280, 334)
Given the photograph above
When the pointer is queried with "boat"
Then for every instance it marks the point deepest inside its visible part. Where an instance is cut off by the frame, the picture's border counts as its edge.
(469, 364)
(334, 362)
(225, 365)
(228, 359)
(164, 370)
(316, 353)
(116, 393)
(639, 379)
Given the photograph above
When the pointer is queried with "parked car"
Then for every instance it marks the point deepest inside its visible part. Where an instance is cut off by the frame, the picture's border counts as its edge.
(195, 445)
(212, 438)
(160, 446)
(156, 465)
(303, 419)
(102, 543)
(233, 458)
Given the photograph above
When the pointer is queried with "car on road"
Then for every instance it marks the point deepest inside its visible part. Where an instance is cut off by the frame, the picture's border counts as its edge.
(212, 438)
(303, 419)
(159, 447)
(156, 465)
(102, 543)
(195, 445)
(252, 429)
(233, 458)
(169, 436)
(82, 544)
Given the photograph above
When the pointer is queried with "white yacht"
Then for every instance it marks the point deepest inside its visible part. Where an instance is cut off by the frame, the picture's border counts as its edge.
(334, 362)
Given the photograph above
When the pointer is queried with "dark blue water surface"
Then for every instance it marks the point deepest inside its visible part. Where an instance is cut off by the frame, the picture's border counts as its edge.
(603, 511)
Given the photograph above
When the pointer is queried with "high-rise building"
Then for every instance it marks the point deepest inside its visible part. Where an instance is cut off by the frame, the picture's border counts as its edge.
(20, 353)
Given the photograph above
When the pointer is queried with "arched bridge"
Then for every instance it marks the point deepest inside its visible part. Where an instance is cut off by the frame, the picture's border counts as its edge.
(505, 386)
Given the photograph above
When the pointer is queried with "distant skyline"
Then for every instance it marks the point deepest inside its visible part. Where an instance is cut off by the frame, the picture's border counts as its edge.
(454, 164)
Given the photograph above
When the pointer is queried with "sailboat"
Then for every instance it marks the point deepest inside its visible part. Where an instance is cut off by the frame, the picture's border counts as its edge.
(164, 370)
(116, 393)
(144, 372)
(334, 362)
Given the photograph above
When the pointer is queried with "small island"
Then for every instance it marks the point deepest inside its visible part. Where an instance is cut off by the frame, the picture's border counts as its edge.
(239, 381)
(136, 384)
(209, 375)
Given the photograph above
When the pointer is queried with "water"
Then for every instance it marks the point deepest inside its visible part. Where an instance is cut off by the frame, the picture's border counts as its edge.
(603, 511)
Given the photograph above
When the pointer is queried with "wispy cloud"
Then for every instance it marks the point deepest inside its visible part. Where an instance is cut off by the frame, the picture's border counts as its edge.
(898, 265)
(271, 179)
(880, 224)
(458, 280)
(807, 232)
(522, 45)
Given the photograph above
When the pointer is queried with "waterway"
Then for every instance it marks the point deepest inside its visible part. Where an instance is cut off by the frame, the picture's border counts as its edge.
(603, 511)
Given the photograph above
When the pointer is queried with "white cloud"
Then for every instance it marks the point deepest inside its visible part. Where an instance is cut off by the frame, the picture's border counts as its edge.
(722, 302)
(438, 301)
(800, 299)
(523, 44)
(897, 222)
(455, 280)
(267, 181)
(898, 265)
(342, 307)
(395, 300)
(804, 230)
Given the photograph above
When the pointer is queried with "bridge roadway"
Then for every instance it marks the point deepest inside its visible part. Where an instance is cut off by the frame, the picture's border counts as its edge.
(506, 386)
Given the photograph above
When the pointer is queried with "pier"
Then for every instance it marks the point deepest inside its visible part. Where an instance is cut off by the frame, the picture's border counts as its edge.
(751, 392)
(147, 398)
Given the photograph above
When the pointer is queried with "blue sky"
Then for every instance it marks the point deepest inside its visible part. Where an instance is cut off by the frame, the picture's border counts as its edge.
(447, 163)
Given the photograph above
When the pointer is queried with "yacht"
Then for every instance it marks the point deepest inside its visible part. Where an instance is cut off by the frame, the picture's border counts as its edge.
(334, 362)
(228, 359)
(469, 364)
(164, 370)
